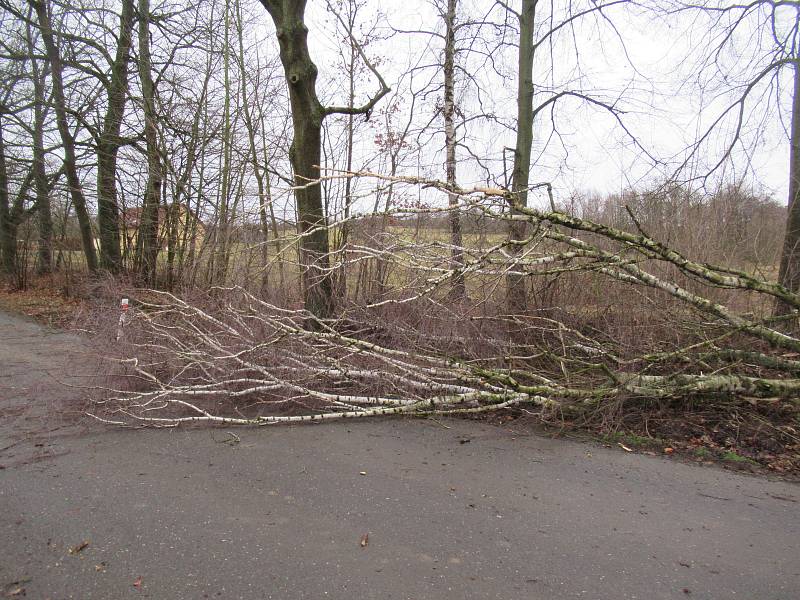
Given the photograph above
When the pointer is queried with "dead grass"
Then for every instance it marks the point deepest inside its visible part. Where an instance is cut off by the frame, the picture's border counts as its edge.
(44, 300)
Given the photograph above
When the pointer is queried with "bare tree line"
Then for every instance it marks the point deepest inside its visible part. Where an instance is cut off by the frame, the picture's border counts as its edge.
(208, 59)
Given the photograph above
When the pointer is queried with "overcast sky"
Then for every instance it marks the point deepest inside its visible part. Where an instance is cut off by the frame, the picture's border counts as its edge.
(652, 60)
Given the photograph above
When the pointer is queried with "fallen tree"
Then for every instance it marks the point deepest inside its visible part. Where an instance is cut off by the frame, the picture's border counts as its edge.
(641, 323)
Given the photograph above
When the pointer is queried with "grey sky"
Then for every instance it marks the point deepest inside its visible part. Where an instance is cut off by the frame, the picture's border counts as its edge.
(662, 102)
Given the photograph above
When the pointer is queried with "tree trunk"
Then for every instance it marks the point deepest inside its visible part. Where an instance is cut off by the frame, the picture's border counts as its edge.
(789, 274)
(458, 290)
(8, 229)
(260, 173)
(276, 233)
(219, 252)
(45, 218)
(516, 298)
(148, 226)
(68, 142)
(12, 214)
(108, 146)
(305, 152)
(340, 283)
(182, 201)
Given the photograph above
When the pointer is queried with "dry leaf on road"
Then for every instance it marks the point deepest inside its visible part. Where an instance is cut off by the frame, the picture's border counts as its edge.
(79, 547)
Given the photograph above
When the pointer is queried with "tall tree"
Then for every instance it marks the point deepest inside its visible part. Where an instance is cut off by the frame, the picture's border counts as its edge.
(67, 139)
(266, 213)
(6, 238)
(43, 211)
(464, 56)
(449, 113)
(347, 17)
(789, 273)
(12, 212)
(545, 34)
(305, 152)
(109, 142)
(9, 213)
(219, 259)
(748, 49)
(516, 299)
(147, 238)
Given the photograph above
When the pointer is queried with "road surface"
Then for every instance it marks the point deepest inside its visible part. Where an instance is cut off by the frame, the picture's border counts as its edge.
(392, 509)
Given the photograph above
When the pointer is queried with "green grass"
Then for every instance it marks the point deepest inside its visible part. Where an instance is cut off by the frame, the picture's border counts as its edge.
(732, 456)
(703, 452)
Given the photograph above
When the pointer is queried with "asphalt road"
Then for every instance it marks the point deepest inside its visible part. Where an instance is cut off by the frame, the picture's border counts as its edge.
(452, 510)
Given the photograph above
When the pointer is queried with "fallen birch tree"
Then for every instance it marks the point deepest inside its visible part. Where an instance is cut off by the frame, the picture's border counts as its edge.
(231, 357)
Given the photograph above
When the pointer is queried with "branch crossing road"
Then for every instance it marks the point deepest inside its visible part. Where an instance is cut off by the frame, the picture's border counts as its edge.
(391, 509)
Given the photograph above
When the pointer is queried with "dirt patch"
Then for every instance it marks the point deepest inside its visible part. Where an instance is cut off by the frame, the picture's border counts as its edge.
(763, 439)
(746, 438)
(41, 301)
